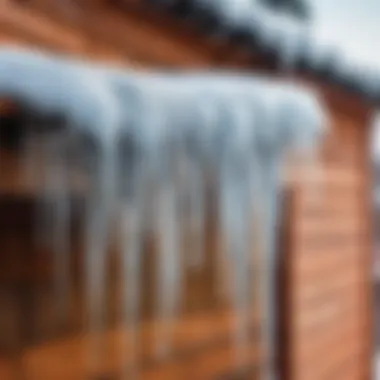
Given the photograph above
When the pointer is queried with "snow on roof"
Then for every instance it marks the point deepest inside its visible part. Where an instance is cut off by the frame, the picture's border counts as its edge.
(293, 41)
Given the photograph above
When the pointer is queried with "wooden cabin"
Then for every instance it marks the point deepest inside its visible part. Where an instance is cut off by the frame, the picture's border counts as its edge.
(325, 249)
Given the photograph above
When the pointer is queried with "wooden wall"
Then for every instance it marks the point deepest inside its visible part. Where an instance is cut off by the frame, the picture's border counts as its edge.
(329, 262)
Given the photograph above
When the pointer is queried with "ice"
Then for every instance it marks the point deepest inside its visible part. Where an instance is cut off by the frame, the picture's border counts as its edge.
(241, 128)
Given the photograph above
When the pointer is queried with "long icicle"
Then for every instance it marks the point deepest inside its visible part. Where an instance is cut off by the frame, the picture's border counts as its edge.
(162, 149)
(100, 206)
(130, 285)
(135, 191)
(195, 197)
(202, 158)
(58, 198)
(98, 218)
(43, 209)
(169, 260)
(236, 236)
(33, 161)
(268, 200)
(155, 130)
(133, 198)
(236, 215)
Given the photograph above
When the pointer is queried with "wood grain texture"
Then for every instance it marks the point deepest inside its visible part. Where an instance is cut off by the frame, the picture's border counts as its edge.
(329, 264)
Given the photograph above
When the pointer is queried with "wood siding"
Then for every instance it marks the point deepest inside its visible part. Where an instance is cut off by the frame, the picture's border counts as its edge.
(329, 255)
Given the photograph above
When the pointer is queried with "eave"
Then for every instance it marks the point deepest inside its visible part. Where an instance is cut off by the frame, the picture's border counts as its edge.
(138, 34)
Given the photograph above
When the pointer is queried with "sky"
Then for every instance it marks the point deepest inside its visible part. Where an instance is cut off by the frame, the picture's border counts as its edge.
(353, 25)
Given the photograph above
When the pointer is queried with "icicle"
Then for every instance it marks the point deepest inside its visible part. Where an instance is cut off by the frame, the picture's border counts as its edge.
(131, 267)
(168, 267)
(198, 146)
(202, 157)
(268, 262)
(57, 198)
(196, 193)
(190, 187)
(34, 162)
(51, 85)
(208, 123)
(169, 258)
(43, 210)
(266, 193)
(133, 173)
(30, 158)
(156, 131)
(100, 204)
(96, 245)
(157, 126)
(236, 216)
(98, 217)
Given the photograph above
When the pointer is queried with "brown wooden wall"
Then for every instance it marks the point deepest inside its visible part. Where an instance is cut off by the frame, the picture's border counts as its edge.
(329, 260)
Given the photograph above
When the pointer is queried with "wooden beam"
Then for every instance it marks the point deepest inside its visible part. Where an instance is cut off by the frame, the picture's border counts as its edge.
(37, 30)
(130, 36)
(16, 18)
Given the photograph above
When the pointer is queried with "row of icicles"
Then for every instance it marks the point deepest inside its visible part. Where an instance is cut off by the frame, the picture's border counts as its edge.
(151, 143)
